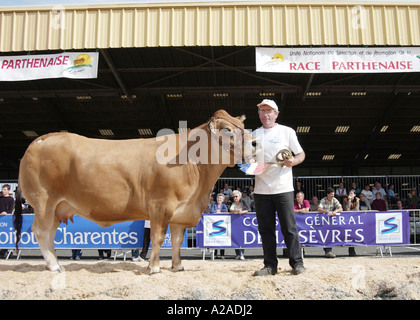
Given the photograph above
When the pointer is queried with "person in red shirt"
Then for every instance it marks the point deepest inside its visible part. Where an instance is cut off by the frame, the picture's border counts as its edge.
(301, 205)
(379, 203)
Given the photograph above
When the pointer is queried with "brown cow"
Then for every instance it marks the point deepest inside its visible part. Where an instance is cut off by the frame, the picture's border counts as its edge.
(111, 181)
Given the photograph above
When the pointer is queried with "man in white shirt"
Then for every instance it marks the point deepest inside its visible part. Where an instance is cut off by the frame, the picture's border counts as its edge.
(274, 191)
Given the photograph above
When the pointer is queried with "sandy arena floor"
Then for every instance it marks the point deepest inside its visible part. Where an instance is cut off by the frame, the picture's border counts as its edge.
(352, 278)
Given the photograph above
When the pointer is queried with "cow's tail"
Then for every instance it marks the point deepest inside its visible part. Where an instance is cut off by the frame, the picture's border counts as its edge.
(17, 216)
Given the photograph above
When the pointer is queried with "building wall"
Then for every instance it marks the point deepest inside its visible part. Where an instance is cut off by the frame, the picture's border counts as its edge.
(210, 24)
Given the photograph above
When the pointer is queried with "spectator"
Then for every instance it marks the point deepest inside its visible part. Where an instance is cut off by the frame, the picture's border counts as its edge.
(207, 209)
(364, 204)
(227, 201)
(245, 198)
(314, 204)
(399, 205)
(351, 203)
(252, 205)
(298, 187)
(219, 206)
(412, 201)
(392, 197)
(146, 244)
(378, 188)
(368, 194)
(332, 207)
(102, 252)
(355, 188)
(301, 205)
(227, 191)
(379, 203)
(239, 207)
(76, 254)
(7, 204)
(341, 192)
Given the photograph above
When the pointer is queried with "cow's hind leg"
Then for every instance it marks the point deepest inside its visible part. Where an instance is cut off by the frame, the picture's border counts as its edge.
(157, 236)
(44, 227)
(177, 236)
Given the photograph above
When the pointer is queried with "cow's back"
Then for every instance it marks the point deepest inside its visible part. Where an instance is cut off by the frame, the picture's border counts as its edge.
(97, 177)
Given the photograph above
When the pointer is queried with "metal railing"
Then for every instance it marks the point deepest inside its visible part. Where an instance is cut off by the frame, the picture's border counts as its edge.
(317, 185)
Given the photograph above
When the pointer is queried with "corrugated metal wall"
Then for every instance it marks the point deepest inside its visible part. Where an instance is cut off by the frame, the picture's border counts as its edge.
(210, 24)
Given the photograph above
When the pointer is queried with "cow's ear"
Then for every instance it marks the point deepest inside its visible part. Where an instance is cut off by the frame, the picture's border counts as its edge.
(241, 118)
(212, 124)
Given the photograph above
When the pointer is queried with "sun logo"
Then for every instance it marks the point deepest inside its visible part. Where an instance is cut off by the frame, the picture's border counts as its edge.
(82, 59)
(277, 57)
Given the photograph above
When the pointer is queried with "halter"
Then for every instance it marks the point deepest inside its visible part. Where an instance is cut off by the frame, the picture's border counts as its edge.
(281, 156)
(215, 136)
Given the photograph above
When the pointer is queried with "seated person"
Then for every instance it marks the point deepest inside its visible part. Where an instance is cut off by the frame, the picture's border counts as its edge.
(219, 206)
(379, 203)
(301, 205)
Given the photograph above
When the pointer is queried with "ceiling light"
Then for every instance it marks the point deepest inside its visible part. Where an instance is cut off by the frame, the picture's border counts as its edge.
(125, 97)
(327, 157)
(358, 93)
(30, 133)
(145, 132)
(415, 129)
(342, 129)
(220, 95)
(366, 156)
(267, 94)
(174, 95)
(84, 98)
(106, 132)
(384, 128)
(312, 94)
(1, 100)
(394, 156)
(303, 129)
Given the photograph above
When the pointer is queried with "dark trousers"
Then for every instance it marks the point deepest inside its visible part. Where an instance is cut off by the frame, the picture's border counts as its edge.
(266, 207)
(146, 243)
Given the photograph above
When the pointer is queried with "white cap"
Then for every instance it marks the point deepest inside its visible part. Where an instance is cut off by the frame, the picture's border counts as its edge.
(269, 103)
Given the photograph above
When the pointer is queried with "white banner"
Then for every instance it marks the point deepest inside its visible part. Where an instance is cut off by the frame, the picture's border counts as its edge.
(76, 65)
(338, 60)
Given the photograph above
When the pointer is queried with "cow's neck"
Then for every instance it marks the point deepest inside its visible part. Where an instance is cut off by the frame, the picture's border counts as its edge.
(210, 171)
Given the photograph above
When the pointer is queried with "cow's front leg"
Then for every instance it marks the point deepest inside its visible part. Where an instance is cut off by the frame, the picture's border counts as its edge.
(177, 235)
(157, 236)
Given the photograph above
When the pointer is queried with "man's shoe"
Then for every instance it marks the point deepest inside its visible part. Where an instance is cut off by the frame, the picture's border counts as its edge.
(298, 269)
(329, 255)
(266, 271)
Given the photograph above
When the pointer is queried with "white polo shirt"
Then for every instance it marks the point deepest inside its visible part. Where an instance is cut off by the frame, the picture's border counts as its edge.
(275, 179)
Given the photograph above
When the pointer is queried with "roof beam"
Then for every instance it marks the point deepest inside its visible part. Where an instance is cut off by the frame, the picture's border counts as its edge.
(396, 101)
(116, 74)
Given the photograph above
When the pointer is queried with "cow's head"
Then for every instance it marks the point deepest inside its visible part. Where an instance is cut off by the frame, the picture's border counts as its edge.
(229, 134)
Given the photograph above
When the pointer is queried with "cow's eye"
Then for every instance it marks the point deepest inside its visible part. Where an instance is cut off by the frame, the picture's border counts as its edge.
(227, 130)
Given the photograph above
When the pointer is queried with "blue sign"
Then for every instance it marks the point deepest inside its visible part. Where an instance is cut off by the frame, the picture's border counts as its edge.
(315, 229)
(82, 234)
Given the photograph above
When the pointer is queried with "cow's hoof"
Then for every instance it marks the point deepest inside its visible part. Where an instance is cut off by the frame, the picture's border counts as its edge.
(177, 268)
(154, 270)
(56, 268)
